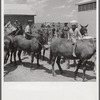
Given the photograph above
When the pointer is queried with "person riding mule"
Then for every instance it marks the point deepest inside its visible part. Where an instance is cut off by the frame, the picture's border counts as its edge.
(28, 30)
(74, 34)
(32, 46)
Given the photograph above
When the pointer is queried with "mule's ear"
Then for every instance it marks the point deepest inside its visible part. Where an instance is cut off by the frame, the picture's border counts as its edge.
(87, 25)
(81, 25)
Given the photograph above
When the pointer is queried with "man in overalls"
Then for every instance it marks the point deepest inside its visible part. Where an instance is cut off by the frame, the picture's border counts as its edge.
(74, 34)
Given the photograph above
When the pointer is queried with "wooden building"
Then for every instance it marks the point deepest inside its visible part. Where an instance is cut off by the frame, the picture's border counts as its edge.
(87, 15)
(20, 12)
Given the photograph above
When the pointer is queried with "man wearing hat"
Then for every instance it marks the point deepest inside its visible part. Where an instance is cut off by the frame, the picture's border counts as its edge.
(28, 29)
(74, 34)
(65, 30)
(16, 23)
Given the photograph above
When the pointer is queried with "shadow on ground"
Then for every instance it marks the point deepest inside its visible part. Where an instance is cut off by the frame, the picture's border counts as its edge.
(9, 68)
(70, 74)
(34, 66)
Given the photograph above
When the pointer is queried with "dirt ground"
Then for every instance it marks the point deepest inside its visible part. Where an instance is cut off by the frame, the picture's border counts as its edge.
(23, 72)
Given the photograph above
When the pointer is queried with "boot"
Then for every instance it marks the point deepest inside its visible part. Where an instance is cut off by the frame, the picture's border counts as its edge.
(74, 45)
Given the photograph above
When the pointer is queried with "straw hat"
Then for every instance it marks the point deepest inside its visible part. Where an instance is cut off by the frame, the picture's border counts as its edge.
(74, 22)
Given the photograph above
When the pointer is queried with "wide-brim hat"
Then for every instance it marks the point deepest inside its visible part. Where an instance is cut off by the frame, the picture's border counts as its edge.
(66, 23)
(74, 22)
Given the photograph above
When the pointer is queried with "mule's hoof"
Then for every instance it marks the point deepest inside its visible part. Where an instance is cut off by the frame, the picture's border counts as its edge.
(54, 74)
(38, 65)
(49, 62)
(15, 63)
(43, 59)
(75, 79)
(75, 76)
(84, 80)
(21, 62)
(10, 61)
(30, 69)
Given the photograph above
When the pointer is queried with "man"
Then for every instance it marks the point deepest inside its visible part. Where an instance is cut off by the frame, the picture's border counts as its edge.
(20, 30)
(74, 34)
(28, 29)
(65, 30)
(59, 29)
(53, 30)
(16, 24)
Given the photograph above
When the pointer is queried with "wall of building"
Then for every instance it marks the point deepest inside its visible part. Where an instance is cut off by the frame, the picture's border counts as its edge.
(88, 17)
(21, 18)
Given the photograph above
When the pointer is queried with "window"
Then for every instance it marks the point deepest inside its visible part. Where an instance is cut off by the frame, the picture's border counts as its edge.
(85, 7)
(94, 5)
(90, 6)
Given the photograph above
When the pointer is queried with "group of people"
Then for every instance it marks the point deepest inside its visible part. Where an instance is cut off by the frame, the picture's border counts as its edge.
(71, 33)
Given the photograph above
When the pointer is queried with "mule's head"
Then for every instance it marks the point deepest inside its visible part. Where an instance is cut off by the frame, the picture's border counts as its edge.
(83, 30)
(40, 37)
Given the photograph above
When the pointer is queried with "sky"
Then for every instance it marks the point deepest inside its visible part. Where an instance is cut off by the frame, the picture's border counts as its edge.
(51, 10)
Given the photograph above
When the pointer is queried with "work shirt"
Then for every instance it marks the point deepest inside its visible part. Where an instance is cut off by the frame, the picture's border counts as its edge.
(28, 29)
(74, 35)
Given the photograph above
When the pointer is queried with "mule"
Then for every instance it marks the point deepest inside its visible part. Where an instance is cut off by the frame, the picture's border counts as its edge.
(8, 47)
(8, 43)
(32, 46)
(85, 49)
(84, 33)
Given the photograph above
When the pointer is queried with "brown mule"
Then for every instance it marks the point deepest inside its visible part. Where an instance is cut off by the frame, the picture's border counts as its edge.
(31, 46)
(85, 49)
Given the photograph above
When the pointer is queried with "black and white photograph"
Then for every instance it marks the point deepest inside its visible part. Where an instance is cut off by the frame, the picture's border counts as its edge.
(50, 41)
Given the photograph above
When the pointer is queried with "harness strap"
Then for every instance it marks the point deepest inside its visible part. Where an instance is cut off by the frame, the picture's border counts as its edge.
(41, 44)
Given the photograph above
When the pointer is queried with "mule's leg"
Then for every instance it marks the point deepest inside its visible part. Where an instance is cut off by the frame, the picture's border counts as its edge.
(74, 63)
(11, 56)
(32, 59)
(58, 63)
(19, 54)
(53, 62)
(68, 64)
(40, 56)
(78, 66)
(15, 57)
(50, 56)
(84, 69)
(38, 59)
(7, 56)
(43, 53)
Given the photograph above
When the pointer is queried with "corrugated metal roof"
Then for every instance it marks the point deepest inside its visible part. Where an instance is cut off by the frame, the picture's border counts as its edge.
(85, 2)
(18, 9)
